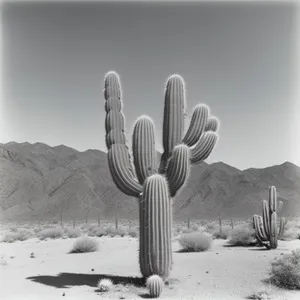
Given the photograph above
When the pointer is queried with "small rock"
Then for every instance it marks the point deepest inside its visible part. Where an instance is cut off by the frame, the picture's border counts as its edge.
(12, 257)
(63, 294)
(207, 272)
(122, 297)
(92, 270)
(217, 253)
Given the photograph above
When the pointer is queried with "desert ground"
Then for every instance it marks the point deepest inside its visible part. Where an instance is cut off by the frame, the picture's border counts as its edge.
(44, 269)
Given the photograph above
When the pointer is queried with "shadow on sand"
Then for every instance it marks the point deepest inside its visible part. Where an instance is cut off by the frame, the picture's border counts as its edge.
(259, 249)
(66, 280)
(240, 246)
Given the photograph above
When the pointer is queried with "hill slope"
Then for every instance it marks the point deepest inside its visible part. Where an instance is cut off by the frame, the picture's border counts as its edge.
(39, 181)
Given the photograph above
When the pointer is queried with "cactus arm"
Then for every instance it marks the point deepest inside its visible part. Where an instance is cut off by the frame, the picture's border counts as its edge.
(119, 166)
(197, 125)
(204, 147)
(266, 217)
(279, 206)
(272, 199)
(212, 124)
(173, 121)
(112, 90)
(260, 234)
(118, 155)
(115, 137)
(178, 168)
(143, 147)
(281, 227)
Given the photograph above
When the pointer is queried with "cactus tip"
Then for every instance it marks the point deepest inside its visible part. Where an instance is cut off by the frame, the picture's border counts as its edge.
(176, 76)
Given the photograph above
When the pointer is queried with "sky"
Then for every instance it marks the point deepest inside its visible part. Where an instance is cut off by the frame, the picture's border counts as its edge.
(239, 59)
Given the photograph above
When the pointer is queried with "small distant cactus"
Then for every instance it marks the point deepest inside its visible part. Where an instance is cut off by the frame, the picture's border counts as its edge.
(104, 285)
(155, 285)
(266, 226)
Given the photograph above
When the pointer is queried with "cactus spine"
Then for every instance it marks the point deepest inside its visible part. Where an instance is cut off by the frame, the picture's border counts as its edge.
(154, 186)
(265, 227)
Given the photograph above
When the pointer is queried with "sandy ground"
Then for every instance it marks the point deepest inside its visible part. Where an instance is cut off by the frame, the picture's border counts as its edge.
(221, 273)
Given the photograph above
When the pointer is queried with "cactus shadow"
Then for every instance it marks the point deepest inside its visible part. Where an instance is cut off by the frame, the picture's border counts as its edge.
(67, 280)
(145, 296)
(240, 246)
(259, 249)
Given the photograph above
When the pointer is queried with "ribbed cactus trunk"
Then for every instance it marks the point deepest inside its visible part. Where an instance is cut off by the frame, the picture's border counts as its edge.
(156, 187)
(155, 228)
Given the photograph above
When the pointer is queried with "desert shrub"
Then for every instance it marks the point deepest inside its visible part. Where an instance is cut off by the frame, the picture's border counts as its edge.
(84, 244)
(72, 232)
(51, 233)
(186, 230)
(133, 232)
(290, 234)
(104, 285)
(223, 234)
(97, 231)
(261, 295)
(285, 271)
(112, 231)
(176, 230)
(292, 230)
(242, 235)
(13, 228)
(195, 242)
(195, 227)
(18, 235)
(211, 227)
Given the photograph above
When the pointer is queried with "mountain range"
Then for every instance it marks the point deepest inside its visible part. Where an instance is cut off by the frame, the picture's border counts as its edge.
(40, 182)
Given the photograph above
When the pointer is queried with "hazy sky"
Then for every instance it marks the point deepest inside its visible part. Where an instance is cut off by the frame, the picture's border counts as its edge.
(239, 59)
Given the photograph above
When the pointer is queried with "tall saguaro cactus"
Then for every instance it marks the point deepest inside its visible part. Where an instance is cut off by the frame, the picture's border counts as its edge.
(265, 227)
(156, 186)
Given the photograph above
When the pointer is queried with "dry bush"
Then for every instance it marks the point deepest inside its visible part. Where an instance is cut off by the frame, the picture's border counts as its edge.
(292, 230)
(186, 230)
(84, 244)
(242, 235)
(133, 232)
(51, 233)
(72, 232)
(261, 295)
(97, 231)
(112, 231)
(285, 271)
(222, 234)
(17, 235)
(195, 242)
(211, 227)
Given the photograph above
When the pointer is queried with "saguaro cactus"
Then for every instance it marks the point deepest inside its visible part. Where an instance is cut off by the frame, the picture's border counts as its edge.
(265, 227)
(156, 184)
